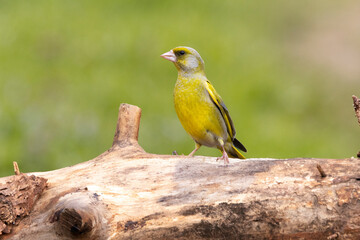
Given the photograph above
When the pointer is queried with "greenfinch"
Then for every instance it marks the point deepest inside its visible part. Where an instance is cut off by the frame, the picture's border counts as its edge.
(200, 108)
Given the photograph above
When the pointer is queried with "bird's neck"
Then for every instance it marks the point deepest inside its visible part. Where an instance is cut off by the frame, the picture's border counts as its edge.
(192, 74)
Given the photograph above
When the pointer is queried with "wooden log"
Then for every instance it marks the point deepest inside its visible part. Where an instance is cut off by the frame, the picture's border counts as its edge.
(126, 193)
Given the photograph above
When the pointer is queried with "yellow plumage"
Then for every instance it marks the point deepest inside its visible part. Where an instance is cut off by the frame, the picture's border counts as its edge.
(200, 109)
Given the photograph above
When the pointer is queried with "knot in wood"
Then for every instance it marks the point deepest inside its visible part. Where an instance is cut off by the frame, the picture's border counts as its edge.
(75, 222)
(6, 213)
(79, 215)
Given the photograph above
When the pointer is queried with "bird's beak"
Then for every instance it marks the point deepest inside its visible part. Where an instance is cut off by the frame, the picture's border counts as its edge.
(169, 56)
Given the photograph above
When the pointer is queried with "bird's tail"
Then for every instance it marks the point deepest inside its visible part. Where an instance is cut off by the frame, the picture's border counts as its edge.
(234, 153)
(239, 145)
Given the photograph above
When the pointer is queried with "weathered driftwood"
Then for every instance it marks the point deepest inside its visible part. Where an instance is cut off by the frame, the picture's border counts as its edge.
(126, 193)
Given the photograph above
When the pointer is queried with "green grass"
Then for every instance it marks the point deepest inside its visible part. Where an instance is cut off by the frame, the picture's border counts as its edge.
(65, 66)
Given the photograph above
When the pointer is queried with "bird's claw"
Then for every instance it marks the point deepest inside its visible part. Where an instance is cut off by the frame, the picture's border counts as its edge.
(224, 157)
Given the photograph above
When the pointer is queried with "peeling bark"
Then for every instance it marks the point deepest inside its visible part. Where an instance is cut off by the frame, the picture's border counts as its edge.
(356, 101)
(17, 197)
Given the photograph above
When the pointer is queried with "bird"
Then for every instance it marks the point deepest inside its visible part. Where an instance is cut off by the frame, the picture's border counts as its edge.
(200, 109)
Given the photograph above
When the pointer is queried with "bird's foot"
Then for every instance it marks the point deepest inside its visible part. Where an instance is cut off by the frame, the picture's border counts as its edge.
(224, 157)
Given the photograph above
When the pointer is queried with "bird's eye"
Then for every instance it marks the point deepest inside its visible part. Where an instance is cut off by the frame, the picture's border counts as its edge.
(182, 52)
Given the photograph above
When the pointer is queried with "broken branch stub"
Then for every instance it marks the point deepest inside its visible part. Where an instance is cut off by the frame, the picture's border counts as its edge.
(356, 101)
(127, 129)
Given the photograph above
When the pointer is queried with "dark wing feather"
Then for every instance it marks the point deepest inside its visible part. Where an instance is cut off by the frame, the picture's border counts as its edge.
(239, 145)
(216, 99)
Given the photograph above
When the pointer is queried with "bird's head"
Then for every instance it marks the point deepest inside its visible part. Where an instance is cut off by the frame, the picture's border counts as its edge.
(186, 59)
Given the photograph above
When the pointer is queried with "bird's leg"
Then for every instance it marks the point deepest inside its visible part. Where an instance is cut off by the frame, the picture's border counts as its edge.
(225, 157)
(224, 154)
(197, 146)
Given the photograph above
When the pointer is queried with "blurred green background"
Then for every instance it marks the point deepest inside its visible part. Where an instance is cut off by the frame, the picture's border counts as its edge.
(285, 69)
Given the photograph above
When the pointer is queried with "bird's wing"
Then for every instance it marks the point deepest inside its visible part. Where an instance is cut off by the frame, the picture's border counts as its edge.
(220, 105)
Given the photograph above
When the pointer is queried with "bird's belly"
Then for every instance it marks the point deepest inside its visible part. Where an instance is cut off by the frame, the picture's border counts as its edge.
(200, 117)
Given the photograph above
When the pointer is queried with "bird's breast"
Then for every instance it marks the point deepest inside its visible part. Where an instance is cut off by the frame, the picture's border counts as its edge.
(197, 113)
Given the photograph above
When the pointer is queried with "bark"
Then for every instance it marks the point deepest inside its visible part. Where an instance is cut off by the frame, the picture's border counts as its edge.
(17, 197)
(356, 101)
(126, 193)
